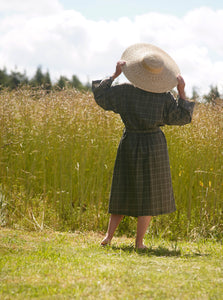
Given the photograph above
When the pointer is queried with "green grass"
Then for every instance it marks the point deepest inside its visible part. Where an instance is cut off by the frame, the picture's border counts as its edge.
(57, 152)
(52, 265)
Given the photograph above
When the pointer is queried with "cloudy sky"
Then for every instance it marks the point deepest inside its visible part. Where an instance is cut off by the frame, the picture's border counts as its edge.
(87, 37)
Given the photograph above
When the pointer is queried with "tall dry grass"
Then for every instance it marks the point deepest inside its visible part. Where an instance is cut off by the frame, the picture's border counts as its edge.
(57, 152)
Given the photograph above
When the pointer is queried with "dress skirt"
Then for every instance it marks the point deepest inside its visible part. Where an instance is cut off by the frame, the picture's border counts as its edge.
(141, 184)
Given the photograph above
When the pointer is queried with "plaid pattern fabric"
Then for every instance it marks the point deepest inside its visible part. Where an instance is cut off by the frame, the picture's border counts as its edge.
(141, 184)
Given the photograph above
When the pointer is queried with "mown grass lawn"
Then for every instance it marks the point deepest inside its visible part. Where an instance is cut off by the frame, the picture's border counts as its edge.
(53, 265)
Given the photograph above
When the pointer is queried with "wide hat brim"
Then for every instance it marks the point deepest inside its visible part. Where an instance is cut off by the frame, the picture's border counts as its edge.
(150, 68)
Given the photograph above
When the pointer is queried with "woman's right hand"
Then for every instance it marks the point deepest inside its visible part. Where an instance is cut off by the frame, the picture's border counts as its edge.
(181, 86)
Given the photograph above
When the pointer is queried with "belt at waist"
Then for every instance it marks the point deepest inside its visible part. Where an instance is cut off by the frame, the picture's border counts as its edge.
(149, 130)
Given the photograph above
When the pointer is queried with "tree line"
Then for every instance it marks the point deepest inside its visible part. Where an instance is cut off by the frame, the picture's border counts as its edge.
(17, 79)
(212, 97)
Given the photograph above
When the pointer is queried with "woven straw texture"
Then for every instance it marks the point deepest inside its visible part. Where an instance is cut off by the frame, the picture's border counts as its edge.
(150, 68)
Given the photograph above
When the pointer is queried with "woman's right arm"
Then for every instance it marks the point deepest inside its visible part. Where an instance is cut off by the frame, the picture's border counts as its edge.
(106, 95)
(181, 87)
(103, 93)
(178, 112)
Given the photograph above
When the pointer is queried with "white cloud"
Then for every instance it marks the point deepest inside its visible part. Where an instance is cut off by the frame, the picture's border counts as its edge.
(206, 27)
(31, 7)
(67, 43)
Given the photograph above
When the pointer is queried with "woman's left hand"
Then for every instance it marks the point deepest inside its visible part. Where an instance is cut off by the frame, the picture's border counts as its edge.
(118, 69)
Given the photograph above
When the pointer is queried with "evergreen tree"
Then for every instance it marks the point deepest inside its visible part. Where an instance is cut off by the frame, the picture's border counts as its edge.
(212, 95)
(3, 78)
(16, 78)
(62, 82)
(47, 82)
(38, 79)
(41, 80)
(75, 82)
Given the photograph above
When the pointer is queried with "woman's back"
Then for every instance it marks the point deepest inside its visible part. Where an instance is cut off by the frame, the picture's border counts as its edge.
(139, 109)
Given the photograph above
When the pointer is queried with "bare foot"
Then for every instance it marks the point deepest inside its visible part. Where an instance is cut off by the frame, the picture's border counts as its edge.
(141, 247)
(105, 241)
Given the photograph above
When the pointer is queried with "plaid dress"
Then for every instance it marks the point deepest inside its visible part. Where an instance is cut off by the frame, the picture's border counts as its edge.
(141, 184)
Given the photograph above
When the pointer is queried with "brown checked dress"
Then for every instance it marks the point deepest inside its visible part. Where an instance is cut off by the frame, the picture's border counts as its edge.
(141, 184)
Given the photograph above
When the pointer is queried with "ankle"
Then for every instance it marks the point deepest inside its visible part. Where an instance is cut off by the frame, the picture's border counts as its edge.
(139, 244)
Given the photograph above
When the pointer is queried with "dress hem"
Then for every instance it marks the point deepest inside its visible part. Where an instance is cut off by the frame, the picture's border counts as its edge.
(141, 214)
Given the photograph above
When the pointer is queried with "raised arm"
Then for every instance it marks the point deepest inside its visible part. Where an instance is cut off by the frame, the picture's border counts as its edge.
(181, 87)
(178, 113)
(106, 95)
(118, 69)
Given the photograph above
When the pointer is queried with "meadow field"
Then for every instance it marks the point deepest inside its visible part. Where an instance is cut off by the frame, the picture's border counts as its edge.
(57, 152)
(62, 265)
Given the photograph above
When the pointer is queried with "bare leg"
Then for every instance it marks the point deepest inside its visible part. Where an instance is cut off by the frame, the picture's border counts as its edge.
(113, 224)
(142, 225)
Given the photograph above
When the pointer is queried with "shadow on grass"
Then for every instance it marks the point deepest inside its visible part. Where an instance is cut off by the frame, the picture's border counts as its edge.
(159, 251)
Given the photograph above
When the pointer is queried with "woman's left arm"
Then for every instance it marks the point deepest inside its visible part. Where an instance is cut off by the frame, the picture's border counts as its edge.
(181, 112)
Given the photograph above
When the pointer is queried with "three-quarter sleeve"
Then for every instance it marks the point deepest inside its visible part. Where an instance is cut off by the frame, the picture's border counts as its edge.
(178, 112)
(107, 96)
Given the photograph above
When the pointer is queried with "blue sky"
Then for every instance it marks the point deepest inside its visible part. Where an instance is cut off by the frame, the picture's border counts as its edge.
(114, 9)
(87, 37)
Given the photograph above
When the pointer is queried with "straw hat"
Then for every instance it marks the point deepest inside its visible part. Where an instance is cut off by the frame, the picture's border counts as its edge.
(150, 68)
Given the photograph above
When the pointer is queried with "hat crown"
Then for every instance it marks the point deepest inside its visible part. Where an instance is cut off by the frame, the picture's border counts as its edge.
(150, 68)
(153, 63)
